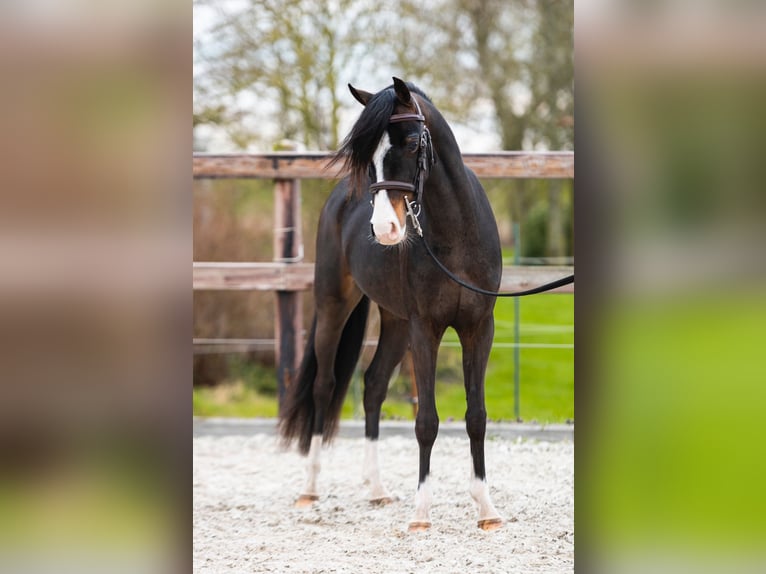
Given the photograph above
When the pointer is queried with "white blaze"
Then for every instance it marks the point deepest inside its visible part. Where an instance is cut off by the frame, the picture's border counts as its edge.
(385, 222)
(377, 158)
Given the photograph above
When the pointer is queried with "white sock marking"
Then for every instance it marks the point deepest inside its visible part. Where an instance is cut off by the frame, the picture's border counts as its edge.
(313, 465)
(480, 493)
(371, 472)
(423, 501)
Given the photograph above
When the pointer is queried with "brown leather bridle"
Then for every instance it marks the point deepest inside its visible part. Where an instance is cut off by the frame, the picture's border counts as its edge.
(425, 160)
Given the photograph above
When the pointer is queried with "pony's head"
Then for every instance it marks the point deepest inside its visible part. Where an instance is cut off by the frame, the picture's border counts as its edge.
(384, 153)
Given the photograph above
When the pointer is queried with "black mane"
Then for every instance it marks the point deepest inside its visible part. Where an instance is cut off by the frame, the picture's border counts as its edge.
(360, 144)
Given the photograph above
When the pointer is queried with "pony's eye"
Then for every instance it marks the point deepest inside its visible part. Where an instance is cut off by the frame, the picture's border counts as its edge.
(411, 144)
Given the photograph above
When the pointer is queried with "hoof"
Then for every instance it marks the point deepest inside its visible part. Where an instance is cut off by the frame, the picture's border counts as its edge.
(419, 526)
(491, 523)
(382, 501)
(305, 500)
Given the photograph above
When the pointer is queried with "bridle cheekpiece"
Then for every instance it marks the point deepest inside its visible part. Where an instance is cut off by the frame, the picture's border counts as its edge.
(425, 160)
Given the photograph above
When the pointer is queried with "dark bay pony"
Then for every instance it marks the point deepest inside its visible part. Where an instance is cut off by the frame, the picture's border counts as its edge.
(406, 177)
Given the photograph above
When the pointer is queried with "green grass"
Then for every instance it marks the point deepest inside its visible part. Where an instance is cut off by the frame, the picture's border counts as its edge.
(233, 399)
(546, 374)
(250, 393)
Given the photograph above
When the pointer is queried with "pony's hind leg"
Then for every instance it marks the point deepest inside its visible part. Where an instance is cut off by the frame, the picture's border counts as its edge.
(392, 345)
(337, 341)
(309, 494)
(328, 334)
(476, 348)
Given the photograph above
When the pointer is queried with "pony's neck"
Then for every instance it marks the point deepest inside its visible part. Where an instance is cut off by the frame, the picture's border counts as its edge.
(449, 196)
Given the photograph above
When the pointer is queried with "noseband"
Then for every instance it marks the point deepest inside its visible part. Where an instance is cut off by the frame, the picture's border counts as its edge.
(425, 160)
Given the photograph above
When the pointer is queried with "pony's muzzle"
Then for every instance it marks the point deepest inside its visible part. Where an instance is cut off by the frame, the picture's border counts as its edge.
(390, 236)
(387, 225)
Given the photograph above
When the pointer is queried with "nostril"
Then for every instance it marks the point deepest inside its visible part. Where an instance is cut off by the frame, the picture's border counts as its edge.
(392, 229)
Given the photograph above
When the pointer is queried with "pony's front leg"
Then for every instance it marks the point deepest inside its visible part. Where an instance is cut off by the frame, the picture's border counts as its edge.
(424, 349)
(476, 345)
(392, 345)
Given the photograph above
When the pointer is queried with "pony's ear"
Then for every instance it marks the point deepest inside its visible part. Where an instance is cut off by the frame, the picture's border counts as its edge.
(360, 95)
(402, 91)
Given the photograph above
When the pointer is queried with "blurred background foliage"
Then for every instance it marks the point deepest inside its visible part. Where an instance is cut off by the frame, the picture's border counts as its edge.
(670, 386)
(266, 71)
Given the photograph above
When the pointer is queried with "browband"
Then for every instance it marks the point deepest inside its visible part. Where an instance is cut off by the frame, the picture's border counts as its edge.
(396, 118)
(417, 117)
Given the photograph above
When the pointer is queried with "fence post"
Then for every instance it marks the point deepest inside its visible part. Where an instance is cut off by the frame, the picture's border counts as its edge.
(516, 336)
(288, 249)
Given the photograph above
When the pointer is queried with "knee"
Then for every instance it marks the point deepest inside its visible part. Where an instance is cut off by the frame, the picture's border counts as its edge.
(426, 427)
(476, 423)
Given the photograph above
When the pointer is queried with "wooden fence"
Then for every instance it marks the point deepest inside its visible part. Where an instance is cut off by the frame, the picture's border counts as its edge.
(289, 276)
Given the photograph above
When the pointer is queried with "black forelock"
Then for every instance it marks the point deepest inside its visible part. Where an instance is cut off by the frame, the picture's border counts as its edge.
(360, 144)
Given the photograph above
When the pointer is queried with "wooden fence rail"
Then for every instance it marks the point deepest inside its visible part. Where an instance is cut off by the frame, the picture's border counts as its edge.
(305, 165)
(300, 277)
(288, 276)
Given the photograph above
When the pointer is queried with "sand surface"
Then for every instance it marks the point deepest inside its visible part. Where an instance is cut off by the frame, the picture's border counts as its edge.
(244, 520)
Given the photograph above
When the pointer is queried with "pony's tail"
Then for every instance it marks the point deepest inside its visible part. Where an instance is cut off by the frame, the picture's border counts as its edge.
(298, 412)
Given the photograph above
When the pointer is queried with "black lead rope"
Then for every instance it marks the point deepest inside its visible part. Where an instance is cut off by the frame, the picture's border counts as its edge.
(540, 289)
(413, 215)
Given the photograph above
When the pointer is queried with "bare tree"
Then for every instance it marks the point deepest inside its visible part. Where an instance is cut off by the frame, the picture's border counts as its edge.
(278, 60)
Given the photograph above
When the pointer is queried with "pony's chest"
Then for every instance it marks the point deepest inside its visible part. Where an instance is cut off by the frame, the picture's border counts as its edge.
(382, 278)
(404, 286)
